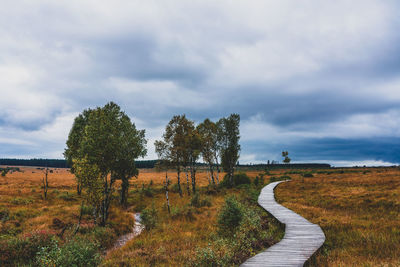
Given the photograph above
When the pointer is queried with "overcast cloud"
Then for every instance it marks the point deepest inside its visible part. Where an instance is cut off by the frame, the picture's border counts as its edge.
(318, 78)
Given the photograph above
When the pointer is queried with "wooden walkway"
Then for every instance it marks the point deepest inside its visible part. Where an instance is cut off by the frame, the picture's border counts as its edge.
(302, 238)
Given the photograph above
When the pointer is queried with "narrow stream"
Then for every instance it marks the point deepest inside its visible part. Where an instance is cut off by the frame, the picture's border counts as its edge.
(136, 230)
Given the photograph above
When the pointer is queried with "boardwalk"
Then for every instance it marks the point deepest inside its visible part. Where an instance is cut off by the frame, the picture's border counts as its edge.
(301, 239)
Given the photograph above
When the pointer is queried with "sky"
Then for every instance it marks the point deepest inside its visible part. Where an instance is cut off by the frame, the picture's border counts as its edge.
(320, 79)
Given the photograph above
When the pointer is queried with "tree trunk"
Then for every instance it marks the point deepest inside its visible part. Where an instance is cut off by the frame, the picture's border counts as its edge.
(216, 162)
(78, 188)
(187, 181)
(166, 191)
(124, 192)
(179, 181)
(45, 184)
(193, 176)
(212, 174)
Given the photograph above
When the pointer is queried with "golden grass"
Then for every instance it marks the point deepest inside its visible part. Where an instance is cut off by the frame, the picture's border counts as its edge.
(358, 211)
(172, 243)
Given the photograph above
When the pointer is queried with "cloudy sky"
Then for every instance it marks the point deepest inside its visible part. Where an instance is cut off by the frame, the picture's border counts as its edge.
(320, 79)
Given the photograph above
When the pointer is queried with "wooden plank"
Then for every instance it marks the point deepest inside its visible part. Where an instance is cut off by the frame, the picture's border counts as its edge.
(302, 238)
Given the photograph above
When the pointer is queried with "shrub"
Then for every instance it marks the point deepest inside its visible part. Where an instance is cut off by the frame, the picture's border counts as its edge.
(238, 179)
(198, 202)
(230, 216)
(147, 191)
(210, 257)
(308, 175)
(87, 210)
(21, 250)
(174, 188)
(149, 217)
(103, 236)
(4, 214)
(77, 252)
(259, 180)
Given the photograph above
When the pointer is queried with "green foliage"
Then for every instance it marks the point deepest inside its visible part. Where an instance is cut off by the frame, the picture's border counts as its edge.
(198, 202)
(147, 191)
(230, 148)
(4, 214)
(230, 216)
(308, 175)
(149, 217)
(186, 212)
(175, 188)
(87, 210)
(259, 180)
(21, 250)
(252, 233)
(238, 179)
(77, 252)
(104, 141)
(103, 236)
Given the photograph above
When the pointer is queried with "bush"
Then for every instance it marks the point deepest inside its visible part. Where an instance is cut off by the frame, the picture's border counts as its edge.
(184, 212)
(21, 250)
(4, 214)
(175, 188)
(238, 179)
(197, 202)
(259, 180)
(230, 216)
(103, 236)
(149, 217)
(147, 191)
(87, 210)
(308, 175)
(77, 252)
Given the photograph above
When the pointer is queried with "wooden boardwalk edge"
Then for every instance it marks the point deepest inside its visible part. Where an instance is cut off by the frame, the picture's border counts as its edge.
(302, 238)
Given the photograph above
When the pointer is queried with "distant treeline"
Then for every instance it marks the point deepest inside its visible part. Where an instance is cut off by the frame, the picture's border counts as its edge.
(288, 166)
(149, 164)
(61, 163)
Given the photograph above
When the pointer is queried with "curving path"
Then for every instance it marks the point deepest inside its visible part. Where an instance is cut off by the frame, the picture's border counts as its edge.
(302, 238)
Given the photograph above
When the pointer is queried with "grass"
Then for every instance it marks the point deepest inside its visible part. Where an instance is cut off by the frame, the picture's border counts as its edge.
(358, 210)
(175, 239)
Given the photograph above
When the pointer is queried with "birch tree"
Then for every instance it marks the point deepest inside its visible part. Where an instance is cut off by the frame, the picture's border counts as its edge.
(208, 132)
(230, 147)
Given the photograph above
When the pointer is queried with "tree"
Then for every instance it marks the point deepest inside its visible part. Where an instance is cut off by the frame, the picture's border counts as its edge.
(45, 183)
(230, 147)
(74, 142)
(286, 159)
(193, 148)
(163, 164)
(103, 147)
(208, 132)
(175, 141)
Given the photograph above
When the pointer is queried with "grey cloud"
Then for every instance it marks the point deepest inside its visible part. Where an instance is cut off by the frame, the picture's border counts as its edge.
(298, 69)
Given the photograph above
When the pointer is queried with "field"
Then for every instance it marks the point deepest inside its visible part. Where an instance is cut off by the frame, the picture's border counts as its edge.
(178, 238)
(358, 210)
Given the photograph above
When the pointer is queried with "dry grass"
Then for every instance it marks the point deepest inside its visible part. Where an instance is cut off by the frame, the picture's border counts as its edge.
(358, 211)
(173, 242)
